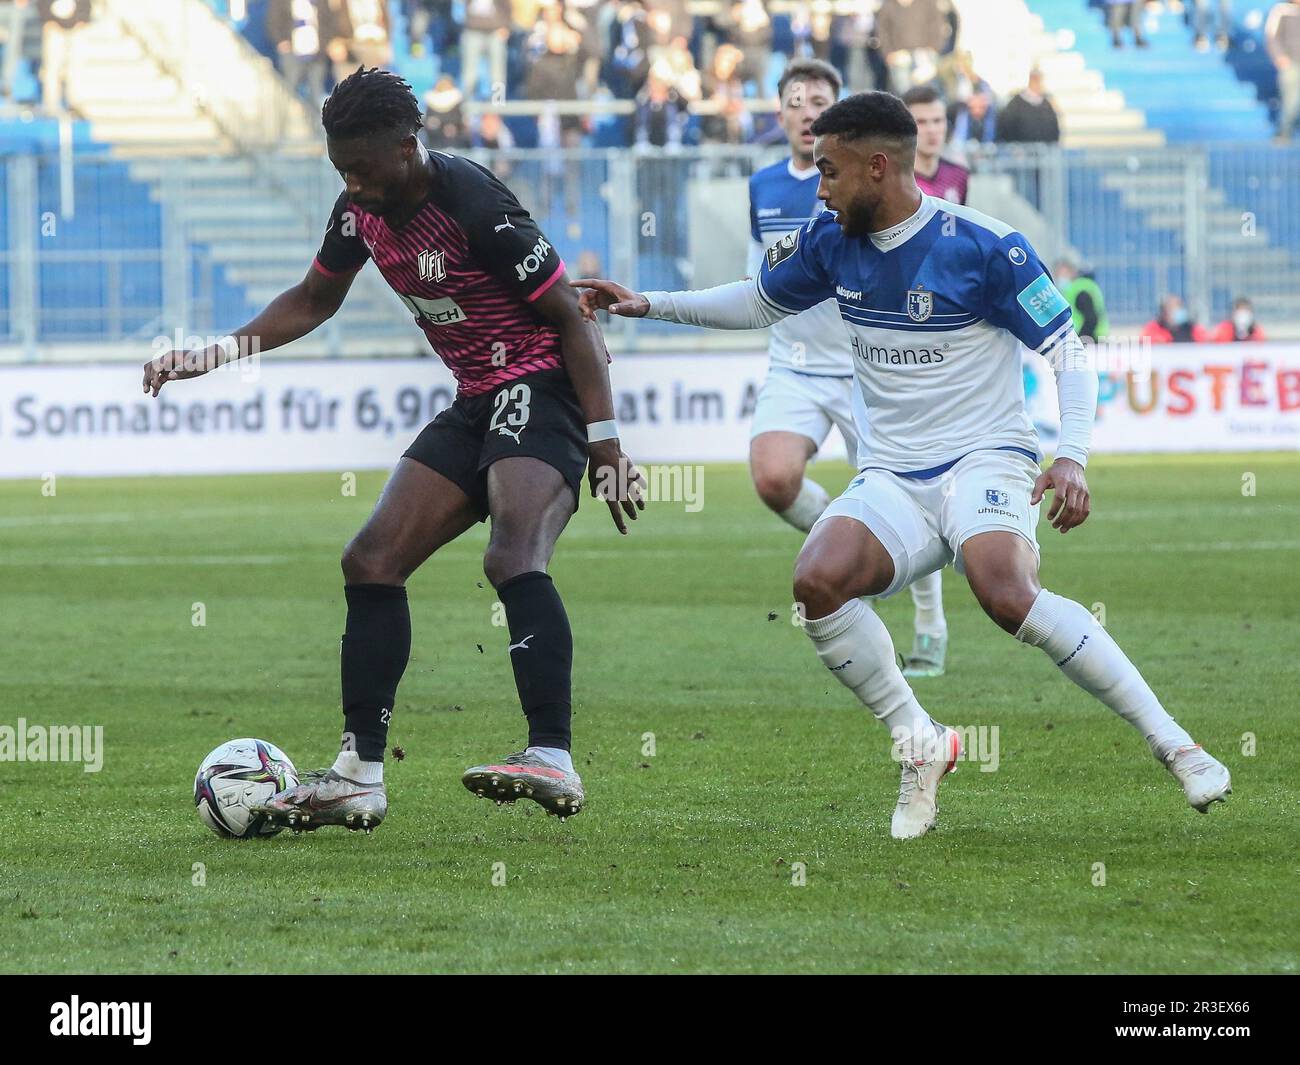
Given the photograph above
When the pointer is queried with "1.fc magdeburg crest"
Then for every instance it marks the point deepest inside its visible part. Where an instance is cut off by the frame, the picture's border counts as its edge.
(433, 264)
(919, 304)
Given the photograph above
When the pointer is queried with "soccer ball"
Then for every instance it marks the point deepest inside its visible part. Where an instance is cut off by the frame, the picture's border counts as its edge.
(236, 776)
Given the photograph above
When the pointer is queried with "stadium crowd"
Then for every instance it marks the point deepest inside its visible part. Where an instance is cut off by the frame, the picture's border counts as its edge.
(663, 55)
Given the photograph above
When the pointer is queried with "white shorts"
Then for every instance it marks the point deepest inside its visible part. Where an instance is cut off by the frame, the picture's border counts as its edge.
(923, 524)
(808, 404)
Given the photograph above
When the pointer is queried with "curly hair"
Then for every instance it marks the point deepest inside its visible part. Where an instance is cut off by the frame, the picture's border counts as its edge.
(879, 115)
(371, 101)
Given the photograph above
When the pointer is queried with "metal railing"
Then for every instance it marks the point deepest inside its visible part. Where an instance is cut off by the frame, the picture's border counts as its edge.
(1206, 223)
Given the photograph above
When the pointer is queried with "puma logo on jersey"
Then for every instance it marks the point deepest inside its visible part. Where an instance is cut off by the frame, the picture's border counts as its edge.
(521, 644)
(513, 433)
(507, 224)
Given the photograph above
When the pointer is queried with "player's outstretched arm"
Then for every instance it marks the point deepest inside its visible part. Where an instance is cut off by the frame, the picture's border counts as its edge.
(1076, 389)
(292, 314)
(586, 360)
(736, 305)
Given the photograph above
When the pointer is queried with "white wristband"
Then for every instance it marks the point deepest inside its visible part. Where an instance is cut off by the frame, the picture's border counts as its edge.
(598, 431)
(229, 347)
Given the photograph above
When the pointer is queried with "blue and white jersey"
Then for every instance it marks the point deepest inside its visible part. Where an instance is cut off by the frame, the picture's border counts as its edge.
(936, 309)
(783, 200)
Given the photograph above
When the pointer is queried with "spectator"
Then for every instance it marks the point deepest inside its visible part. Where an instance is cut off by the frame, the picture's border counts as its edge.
(660, 115)
(1282, 38)
(301, 31)
(1173, 325)
(1121, 13)
(444, 121)
(935, 176)
(361, 34)
(972, 121)
(494, 135)
(811, 27)
(748, 26)
(62, 22)
(589, 264)
(733, 124)
(14, 32)
(485, 36)
(555, 53)
(629, 57)
(1202, 19)
(856, 34)
(1087, 306)
(1029, 117)
(1241, 325)
(422, 16)
(912, 33)
(593, 18)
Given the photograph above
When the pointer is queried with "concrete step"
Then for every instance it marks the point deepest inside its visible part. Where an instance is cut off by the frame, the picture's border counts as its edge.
(240, 206)
(249, 250)
(1103, 121)
(159, 110)
(147, 85)
(128, 150)
(1137, 138)
(185, 130)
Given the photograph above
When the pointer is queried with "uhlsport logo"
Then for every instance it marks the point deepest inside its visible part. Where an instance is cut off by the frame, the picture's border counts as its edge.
(996, 497)
(433, 264)
(920, 304)
(75, 1017)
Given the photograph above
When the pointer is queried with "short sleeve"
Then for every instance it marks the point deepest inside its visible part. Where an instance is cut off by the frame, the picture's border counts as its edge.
(793, 277)
(342, 251)
(753, 215)
(1019, 294)
(506, 241)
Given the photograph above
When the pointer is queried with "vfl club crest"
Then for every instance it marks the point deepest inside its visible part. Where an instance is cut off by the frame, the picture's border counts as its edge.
(996, 498)
(920, 304)
(433, 264)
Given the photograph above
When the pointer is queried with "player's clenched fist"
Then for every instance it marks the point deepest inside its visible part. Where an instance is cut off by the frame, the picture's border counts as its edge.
(175, 366)
(601, 295)
(1071, 503)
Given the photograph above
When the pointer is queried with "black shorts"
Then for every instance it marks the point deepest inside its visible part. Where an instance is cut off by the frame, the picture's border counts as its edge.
(536, 416)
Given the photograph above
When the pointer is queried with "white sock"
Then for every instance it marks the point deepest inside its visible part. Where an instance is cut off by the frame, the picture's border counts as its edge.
(349, 764)
(555, 757)
(1085, 653)
(807, 506)
(927, 596)
(854, 644)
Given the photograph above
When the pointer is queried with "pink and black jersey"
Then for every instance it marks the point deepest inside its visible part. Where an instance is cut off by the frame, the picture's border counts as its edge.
(947, 183)
(469, 265)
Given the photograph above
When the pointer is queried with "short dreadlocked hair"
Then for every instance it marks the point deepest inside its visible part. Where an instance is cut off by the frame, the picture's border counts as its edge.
(371, 101)
(878, 115)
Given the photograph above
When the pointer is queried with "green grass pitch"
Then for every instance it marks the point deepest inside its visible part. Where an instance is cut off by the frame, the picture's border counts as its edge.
(684, 860)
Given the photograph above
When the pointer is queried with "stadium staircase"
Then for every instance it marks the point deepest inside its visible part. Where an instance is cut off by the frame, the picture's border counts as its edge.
(1139, 99)
(243, 181)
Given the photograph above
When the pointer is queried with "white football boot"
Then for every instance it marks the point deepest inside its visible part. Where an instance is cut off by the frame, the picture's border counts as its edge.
(1205, 779)
(918, 790)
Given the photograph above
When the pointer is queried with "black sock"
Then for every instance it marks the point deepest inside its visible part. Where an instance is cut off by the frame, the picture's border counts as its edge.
(376, 647)
(541, 655)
